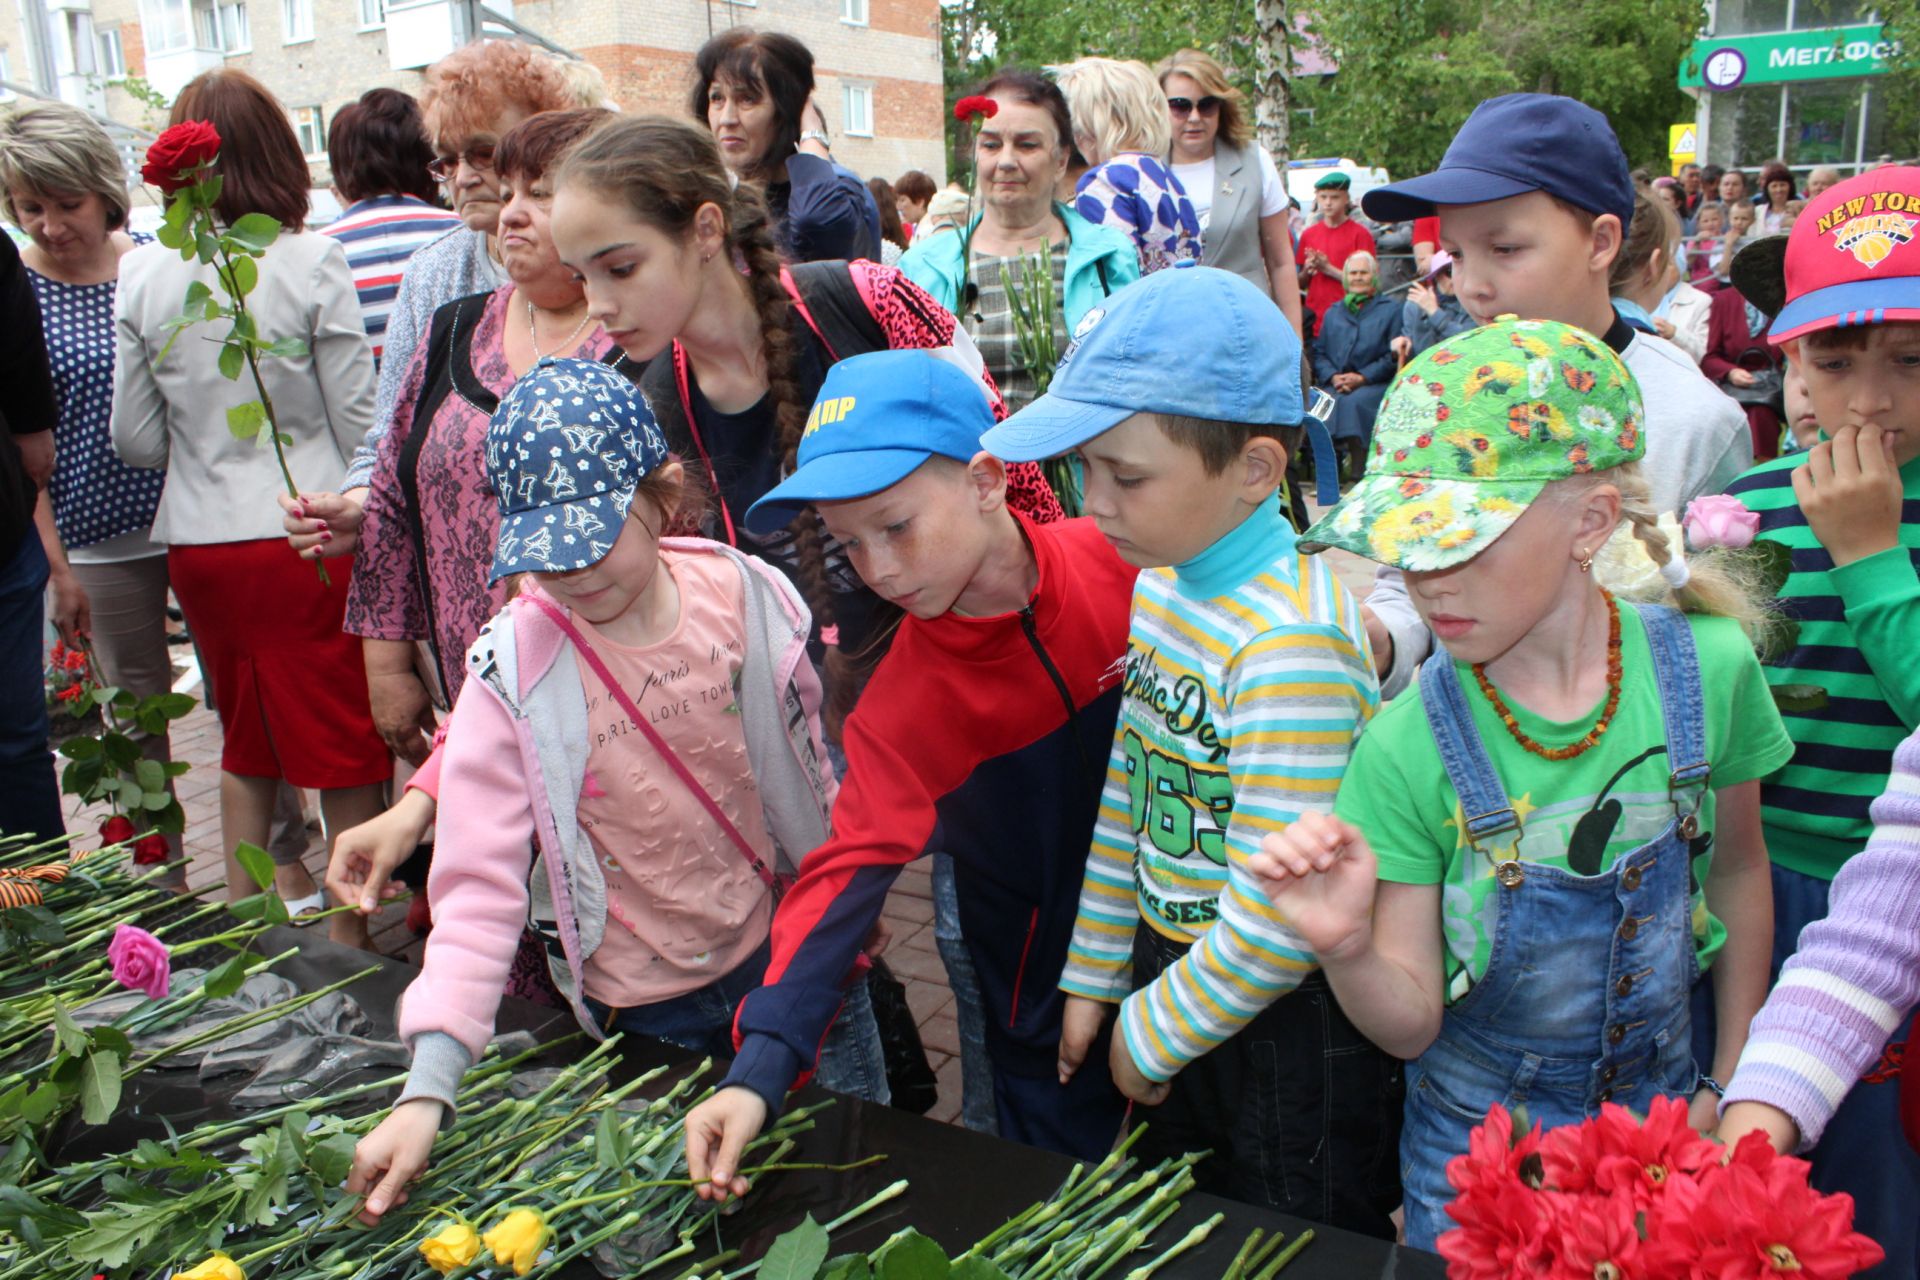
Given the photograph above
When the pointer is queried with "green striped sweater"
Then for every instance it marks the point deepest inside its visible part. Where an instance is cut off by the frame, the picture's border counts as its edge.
(1860, 641)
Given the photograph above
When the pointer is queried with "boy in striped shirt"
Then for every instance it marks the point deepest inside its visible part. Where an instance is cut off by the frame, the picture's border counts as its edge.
(1247, 679)
(1849, 509)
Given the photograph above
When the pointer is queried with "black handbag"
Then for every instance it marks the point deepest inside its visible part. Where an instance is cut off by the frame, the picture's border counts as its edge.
(910, 1077)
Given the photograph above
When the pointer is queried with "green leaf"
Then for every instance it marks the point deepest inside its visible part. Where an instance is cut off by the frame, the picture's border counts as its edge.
(607, 1147)
(67, 1033)
(232, 360)
(254, 230)
(112, 1234)
(1802, 699)
(246, 274)
(37, 1106)
(257, 862)
(81, 748)
(206, 192)
(226, 979)
(107, 692)
(913, 1257)
(100, 1086)
(123, 753)
(179, 214)
(175, 768)
(976, 1268)
(155, 801)
(150, 775)
(848, 1266)
(266, 1181)
(172, 236)
(797, 1254)
(1773, 562)
(332, 1159)
(245, 420)
(197, 294)
(112, 1038)
(36, 925)
(81, 777)
(130, 795)
(289, 348)
(243, 326)
(206, 247)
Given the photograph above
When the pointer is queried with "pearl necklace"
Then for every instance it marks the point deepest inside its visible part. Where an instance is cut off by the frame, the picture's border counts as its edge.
(533, 334)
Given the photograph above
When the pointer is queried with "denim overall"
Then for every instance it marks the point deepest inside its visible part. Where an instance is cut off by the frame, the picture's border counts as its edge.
(1585, 996)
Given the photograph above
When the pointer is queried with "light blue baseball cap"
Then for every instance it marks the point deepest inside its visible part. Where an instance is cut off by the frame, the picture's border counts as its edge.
(1194, 341)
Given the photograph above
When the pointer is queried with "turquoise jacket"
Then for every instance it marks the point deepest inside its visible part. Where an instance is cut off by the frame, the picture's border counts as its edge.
(1100, 260)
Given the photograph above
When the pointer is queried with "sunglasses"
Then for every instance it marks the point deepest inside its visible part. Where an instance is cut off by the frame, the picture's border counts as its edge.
(479, 156)
(1209, 106)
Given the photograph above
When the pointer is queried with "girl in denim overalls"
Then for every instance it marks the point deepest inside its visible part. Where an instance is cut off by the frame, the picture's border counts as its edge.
(1534, 859)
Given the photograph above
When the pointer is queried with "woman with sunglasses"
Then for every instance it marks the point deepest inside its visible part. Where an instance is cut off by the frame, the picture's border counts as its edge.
(1235, 188)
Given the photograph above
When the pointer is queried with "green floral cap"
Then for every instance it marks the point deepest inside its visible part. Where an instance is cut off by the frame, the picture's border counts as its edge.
(1472, 430)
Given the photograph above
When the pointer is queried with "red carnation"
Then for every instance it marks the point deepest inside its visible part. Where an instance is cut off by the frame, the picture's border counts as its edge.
(150, 849)
(177, 154)
(976, 107)
(1619, 1153)
(117, 830)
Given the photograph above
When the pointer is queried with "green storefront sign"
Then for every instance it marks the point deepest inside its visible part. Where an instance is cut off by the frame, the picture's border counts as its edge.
(1727, 62)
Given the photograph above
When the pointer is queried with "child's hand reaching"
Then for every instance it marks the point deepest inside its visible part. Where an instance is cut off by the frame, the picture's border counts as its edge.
(1080, 1024)
(1321, 874)
(392, 1156)
(718, 1131)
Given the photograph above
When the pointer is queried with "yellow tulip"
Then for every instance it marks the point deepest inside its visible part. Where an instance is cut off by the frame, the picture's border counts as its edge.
(518, 1239)
(218, 1267)
(454, 1247)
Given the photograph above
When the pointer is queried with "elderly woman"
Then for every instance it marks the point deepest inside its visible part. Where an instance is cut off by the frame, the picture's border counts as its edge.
(754, 89)
(1353, 356)
(288, 683)
(1020, 152)
(1237, 193)
(1120, 125)
(431, 522)
(63, 183)
(377, 149)
(473, 96)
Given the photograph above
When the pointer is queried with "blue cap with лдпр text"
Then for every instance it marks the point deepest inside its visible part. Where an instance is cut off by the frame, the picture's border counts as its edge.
(1194, 341)
(1513, 144)
(877, 418)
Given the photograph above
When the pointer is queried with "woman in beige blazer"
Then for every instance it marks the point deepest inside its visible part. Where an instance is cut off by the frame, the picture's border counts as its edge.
(287, 681)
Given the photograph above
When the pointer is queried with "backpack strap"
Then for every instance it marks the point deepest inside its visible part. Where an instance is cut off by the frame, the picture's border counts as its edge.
(829, 297)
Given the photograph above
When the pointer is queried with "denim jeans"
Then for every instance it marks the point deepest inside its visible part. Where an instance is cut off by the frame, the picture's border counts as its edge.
(29, 789)
(977, 1110)
(851, 1061)
(1863, 1151)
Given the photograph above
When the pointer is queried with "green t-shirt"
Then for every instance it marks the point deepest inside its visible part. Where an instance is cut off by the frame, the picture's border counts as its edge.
(1581, 814)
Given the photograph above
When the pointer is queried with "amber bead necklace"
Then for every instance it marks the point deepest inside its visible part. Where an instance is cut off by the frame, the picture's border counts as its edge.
(1593, 736)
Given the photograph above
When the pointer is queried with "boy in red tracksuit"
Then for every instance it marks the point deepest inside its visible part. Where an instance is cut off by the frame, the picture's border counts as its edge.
(987, 722)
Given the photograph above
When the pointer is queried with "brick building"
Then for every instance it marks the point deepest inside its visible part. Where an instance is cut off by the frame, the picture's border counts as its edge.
(877, 62)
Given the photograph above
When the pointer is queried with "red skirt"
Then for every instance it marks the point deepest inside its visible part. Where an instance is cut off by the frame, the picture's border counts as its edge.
(290, 686)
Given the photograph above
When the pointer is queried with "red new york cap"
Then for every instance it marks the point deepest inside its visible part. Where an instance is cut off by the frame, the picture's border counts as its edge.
(1853, 256)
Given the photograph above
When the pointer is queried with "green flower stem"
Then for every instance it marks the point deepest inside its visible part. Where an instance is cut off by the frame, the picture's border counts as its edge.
(890, 1192)
(233, 1025)
(1186, 1242)
(1287, 1255)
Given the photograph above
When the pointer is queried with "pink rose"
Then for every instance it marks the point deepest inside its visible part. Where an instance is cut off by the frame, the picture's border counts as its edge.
(140, 961)
(1719, 520)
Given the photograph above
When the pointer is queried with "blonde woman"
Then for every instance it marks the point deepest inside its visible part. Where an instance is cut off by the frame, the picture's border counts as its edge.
(1235, 188)
(1121, 126)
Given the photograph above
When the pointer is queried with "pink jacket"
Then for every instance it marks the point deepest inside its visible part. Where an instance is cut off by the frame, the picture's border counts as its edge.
(509, 773)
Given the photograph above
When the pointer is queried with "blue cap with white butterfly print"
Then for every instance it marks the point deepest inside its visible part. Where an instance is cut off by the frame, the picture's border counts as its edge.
(565, 450)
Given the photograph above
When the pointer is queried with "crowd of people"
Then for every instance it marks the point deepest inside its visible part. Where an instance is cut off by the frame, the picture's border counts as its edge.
(701, 527)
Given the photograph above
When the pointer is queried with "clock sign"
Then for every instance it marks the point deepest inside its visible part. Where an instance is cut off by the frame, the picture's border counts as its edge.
(1724, 68)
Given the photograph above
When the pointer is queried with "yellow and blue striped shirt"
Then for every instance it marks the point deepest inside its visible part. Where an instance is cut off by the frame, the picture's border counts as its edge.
(1248, 679)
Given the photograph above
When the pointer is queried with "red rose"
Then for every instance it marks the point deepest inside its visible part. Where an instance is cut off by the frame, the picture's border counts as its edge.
(117, 829)
(975, 108)
(150, 849)
(178, 152)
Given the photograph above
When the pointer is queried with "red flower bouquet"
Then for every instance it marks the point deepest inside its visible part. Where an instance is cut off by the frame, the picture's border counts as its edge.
(975, 108)
(1620, 1198)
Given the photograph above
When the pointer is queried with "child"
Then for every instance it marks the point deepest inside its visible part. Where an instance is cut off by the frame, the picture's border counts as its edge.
(660, 847)
(1248, 679)
(1849, 509)
(1534, 854)
(1703, 247)
(981, 730)
(1534, 199)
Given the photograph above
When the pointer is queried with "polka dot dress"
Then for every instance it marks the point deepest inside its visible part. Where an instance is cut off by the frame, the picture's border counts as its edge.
(95, 495)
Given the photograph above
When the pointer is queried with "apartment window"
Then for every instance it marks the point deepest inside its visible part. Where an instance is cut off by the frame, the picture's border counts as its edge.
(309, 125)
(167, 25)
(80, 39)
(109, 54)
(296, 20)
(373, 14)
(857, 118)
(854, 11)
(224, 27)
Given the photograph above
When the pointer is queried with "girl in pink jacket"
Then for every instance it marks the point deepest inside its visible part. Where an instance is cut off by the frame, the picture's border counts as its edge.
(643, 713)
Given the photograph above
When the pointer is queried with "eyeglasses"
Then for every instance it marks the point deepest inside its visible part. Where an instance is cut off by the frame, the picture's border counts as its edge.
(1209, 106)
(478, 156)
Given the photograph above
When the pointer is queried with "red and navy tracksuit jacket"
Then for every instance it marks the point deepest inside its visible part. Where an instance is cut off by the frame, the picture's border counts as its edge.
(985, 738)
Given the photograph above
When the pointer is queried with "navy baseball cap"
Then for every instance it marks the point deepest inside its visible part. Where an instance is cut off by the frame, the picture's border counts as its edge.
(565, 450)
(1514, 144)
(1189, 340)
(877, 418)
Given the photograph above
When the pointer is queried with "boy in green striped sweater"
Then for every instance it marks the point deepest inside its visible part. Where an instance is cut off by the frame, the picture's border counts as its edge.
(1849, 510)
(1247, 679)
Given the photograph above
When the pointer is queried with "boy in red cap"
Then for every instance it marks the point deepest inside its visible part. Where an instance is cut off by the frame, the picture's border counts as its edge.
(1849, 509)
